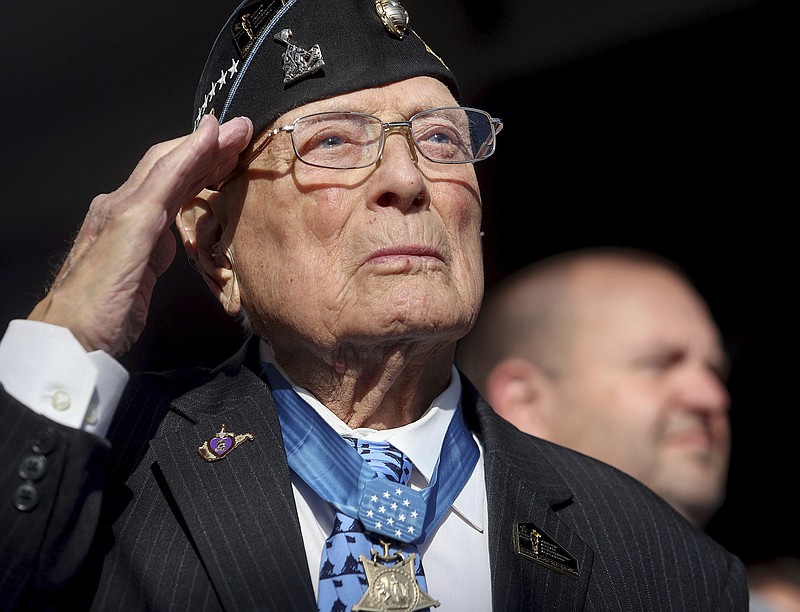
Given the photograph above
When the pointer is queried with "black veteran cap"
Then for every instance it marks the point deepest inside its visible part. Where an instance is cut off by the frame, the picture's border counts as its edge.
(274, 55)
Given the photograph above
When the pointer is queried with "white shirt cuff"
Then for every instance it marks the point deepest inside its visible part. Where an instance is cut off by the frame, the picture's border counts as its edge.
(44, 367)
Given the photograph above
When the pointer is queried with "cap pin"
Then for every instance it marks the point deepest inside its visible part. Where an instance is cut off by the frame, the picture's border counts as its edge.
(298, 62)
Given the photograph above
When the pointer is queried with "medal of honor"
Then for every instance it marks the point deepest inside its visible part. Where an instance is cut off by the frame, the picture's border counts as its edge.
(392, 588)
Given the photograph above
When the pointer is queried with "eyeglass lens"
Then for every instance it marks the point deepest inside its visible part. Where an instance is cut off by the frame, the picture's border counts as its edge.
(354, 140)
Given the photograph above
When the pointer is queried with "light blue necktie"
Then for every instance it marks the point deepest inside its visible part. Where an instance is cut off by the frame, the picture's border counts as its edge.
(367, 503)
(335, 471)
(342, 580)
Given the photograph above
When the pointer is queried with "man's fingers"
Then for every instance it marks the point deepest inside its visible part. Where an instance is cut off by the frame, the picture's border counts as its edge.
(235, 132)
(170, 174)
(173, 172)
(125, 242)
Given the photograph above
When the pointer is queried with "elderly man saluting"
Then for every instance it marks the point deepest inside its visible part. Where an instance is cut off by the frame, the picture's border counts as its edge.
(339, 461)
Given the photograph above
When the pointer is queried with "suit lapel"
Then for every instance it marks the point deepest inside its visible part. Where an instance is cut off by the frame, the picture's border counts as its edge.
(522, 487)
(239, 510)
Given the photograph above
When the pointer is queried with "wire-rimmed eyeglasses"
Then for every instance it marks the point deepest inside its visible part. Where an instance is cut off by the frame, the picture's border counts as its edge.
(346, 140)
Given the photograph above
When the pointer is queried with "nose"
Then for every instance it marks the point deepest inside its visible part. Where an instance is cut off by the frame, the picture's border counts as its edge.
(401, 183)
(702, 389)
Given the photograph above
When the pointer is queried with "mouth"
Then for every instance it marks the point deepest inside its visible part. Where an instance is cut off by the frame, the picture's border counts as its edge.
(697, 439)
(405, 254)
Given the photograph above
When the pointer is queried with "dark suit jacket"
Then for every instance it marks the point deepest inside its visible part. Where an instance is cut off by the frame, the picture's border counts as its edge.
(146, 524)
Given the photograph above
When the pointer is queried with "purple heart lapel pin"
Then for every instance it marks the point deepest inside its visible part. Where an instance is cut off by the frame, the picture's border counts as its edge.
(218, 446)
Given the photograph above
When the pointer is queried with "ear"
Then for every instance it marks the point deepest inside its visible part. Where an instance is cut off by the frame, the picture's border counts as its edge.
(518, 391)
(201, 231)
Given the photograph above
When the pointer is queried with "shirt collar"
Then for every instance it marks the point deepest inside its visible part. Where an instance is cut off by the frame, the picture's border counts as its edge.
(421, 440)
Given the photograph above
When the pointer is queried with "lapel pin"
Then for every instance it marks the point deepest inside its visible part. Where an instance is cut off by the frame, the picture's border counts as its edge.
(221, 444)
(532, 543)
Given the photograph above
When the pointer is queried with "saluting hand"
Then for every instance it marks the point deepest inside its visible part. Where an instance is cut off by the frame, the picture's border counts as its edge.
(102, 291)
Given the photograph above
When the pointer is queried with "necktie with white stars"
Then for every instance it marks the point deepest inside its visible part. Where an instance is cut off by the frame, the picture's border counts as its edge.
(342, 579)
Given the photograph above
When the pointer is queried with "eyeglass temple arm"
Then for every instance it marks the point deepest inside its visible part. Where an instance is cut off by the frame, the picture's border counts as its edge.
(497, 124)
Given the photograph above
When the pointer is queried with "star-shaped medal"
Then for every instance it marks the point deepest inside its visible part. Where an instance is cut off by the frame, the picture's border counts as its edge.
(392, 587)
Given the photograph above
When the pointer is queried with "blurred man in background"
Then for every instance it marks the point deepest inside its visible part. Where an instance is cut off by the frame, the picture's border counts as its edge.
(614, 353)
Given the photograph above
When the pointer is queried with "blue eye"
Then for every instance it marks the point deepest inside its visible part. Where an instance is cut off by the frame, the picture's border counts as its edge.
(330, 142)
(440, 138)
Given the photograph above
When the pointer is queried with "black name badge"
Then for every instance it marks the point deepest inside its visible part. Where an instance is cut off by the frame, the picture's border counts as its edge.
(532, 543)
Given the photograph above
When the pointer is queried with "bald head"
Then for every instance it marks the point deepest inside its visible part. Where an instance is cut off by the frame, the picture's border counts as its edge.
(614, 353)
(532, 313)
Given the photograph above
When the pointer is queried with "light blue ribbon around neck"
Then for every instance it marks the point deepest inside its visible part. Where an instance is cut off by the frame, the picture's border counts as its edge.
(338, 474)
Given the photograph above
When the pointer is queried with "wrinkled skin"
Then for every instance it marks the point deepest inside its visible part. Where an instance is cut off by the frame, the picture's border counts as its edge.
(361, 280)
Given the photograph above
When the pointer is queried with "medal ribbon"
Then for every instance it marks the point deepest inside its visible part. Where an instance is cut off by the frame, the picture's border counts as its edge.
(336, 472)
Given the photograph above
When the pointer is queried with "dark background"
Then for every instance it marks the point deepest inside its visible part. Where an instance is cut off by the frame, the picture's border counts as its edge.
(634, 122)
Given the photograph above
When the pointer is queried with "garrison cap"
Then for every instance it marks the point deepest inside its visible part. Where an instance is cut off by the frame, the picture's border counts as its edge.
(274, 55)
